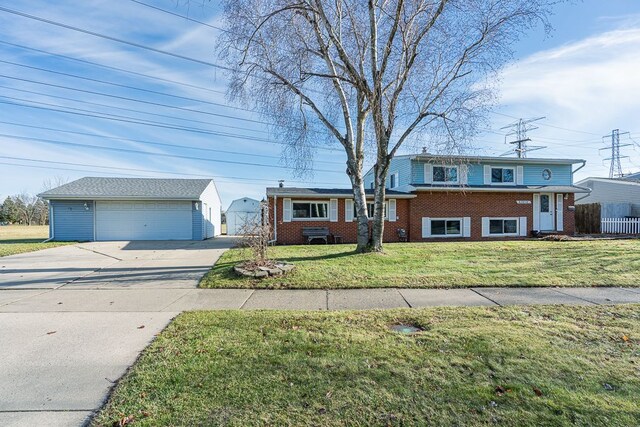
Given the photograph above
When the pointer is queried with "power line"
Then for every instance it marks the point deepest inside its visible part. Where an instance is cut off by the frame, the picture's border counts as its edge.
(141, 141)
(147, 153)
(182, 16)
(109, 67)
(115, 39)
(217, 104)
(217, 178)
(126, 119)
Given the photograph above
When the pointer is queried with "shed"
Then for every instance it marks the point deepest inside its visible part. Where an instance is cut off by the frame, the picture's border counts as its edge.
(240, 212)
(97, 208)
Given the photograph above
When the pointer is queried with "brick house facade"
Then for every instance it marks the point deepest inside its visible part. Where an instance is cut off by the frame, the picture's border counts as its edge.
(482, 199)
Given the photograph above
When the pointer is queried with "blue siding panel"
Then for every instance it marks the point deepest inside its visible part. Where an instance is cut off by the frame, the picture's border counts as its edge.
(196, 221)
(560, 174)
(399, 165)
(72, 220)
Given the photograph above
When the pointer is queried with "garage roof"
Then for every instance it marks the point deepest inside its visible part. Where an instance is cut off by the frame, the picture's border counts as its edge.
(93, 188)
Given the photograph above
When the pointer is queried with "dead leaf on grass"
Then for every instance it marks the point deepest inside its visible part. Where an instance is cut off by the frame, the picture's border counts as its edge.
(537, 391)
(124, 421)
(625, 338)
(500, 390)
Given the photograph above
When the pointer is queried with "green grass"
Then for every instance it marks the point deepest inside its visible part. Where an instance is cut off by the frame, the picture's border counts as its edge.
(511, 366)
(17, 239)
(447, 264)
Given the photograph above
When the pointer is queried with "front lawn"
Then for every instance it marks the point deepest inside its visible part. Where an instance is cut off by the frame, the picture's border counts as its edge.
(513, 366)
(17, 239)
(446, 264)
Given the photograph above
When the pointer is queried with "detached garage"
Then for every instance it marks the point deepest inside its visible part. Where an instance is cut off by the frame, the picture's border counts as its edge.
(134, 209)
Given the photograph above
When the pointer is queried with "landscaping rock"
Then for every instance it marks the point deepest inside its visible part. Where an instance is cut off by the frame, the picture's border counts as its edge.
(262, 272)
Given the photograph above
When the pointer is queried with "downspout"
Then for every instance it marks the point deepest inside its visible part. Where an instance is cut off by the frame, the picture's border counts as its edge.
(584, 162)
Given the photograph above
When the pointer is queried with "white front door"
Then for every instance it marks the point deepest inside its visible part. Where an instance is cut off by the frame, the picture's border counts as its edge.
(546, 212)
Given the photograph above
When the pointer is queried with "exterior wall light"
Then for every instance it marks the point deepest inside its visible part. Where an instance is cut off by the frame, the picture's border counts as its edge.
(86, 206)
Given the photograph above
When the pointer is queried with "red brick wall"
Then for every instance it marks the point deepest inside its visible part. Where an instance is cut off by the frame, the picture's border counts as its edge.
(428, 204)
(290, 233)
(477, 205)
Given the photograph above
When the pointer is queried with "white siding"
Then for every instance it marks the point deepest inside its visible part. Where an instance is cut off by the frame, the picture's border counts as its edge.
(211, 198)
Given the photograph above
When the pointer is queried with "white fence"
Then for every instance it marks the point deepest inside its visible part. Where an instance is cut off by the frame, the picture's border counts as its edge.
(620, 226)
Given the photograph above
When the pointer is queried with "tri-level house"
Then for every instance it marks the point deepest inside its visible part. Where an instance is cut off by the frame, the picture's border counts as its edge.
(433, 197)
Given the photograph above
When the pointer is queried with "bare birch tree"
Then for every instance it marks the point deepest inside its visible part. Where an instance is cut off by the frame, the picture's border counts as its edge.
(368, 74)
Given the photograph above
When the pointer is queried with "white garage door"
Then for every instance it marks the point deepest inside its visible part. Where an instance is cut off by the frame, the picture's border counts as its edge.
(143, 220)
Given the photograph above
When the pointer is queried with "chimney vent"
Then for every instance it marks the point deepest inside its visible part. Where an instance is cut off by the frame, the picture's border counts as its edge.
(281, 183)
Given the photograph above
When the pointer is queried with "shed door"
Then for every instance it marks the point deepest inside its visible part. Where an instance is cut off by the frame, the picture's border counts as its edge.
(143, 220)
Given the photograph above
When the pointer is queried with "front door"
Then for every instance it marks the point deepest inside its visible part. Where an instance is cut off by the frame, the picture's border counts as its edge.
(546, 212)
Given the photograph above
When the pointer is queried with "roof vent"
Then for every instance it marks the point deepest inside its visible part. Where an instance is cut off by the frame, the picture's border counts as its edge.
(424, 150)
(281, 183)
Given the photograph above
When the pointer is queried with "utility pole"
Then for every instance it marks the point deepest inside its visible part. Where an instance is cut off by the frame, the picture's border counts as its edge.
(615, 170)
(519, 130)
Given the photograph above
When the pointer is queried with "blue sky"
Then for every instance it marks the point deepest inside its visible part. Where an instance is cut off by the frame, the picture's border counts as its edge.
(583, 78)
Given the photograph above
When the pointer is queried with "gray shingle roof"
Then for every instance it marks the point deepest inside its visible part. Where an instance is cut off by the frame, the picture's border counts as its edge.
(325, 192)
(129, 188)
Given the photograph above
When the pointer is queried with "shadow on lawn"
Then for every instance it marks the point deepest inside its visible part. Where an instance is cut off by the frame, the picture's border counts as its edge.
(18, 241)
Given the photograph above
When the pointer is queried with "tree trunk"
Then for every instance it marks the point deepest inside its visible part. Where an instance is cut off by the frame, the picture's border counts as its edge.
(362, 218)
(380, 176)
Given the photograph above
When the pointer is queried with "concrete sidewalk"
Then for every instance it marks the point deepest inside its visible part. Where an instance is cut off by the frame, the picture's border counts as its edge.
(68, 299)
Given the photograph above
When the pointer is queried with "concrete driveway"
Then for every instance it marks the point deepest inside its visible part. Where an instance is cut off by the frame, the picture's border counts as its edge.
(74, 318)
(171, 264)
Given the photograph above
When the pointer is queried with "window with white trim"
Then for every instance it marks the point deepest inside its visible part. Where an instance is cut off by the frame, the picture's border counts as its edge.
(446, 227)
(503, 226)
(310, 210)
(503, 175)
(369, 210)
(445, 174)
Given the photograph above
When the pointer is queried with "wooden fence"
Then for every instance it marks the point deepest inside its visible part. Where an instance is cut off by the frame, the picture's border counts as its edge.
(588, 218)
(620, 225)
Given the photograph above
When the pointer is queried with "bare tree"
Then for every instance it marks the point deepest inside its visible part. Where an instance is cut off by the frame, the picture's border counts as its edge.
(370, 74)
(27, 205)
(255, 234)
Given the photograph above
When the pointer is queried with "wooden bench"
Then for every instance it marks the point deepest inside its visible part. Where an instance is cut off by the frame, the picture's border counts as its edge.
(312, 233)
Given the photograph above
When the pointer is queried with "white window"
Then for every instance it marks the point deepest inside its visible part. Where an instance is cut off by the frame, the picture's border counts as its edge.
(446, 227)
(310, 210)
(503, 175)
(445, 174)
(501, 226)
(369, 210)
(393, 180)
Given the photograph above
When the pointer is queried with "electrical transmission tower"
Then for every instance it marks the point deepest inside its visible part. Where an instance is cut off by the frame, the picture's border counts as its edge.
(615, 170)
(519, 130)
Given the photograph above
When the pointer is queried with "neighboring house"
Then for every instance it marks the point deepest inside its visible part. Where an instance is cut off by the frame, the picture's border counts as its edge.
(618, 198)
(91, 209)
(632, 177)
(435, 197)
(241, 212)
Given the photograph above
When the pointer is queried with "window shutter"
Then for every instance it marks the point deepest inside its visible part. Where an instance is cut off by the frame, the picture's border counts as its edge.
(428, 173)
(466, 226)
(487, 175)
(523, 226)
(286, 210)
(333, 210)
(559, 213)
(519, 175)
(463, 174)
(426, 227)
(348, 210)
(536, 212)
(485, 226)
(391, 210)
